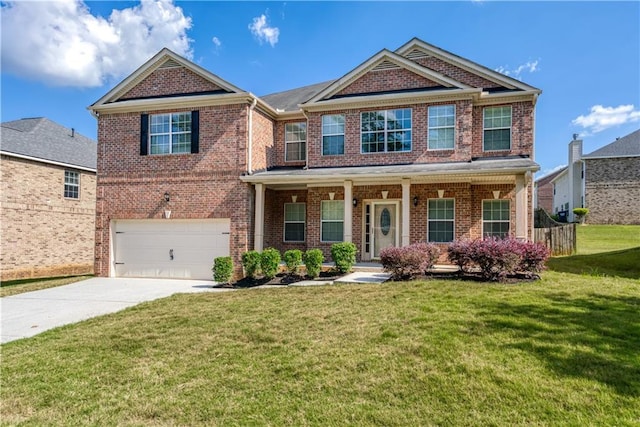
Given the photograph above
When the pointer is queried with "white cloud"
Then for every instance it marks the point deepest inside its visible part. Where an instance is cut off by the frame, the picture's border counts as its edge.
(216, 41)
(61, 43)
(529, 67)
(601, 118)
(263, 32)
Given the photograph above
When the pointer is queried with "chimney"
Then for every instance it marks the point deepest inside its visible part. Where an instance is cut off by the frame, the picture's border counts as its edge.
(575, 149)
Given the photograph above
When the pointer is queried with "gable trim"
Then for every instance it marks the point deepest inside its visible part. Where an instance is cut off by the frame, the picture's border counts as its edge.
(383, 57)
(46, 161)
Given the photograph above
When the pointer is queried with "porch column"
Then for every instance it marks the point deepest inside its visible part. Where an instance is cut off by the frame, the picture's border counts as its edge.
(258, 237)
(348, 211)
(522, 214)
(406, 206)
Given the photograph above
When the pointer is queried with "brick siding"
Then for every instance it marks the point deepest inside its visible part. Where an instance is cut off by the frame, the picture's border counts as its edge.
(386, 81)
(612, 190)
(170, 81)
(44, 234)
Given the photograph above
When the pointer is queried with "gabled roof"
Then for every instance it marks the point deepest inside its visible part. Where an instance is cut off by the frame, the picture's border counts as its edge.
(41, 139)
(549, 177)
(385, 58)
(290, 99)
(627, 146)
(165, 57)
(499, 78)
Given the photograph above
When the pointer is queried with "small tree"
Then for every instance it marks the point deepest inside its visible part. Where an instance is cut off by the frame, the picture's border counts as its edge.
(344, 256)
(293, 260)
(581, 213)
(269, 262)
(222, 269)
(313, 259)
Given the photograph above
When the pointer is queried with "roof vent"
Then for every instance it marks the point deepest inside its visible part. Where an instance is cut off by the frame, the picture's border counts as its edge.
(416, 54)
(170, 63)
(386, 65)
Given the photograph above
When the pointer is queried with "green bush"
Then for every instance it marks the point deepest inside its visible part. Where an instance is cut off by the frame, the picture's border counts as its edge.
(222, 269)
(344, 256)
(581, 213)
(251, 263)
(313, 259)
(270, 262)
(293, 260)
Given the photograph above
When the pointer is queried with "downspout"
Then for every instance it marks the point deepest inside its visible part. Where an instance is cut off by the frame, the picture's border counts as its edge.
(306, 144)
(250, 148)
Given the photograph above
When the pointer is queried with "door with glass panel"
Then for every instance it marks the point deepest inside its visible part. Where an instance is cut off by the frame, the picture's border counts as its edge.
(384, 227)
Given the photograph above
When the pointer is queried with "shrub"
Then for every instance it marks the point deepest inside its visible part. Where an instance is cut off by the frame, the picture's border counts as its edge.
(222, 269)
(459, 253)
(269, 262)
(533, 257)
(409, 261)
(344, 256)
(313, 259)
(581, 213)
(293, 260)
(251, 263)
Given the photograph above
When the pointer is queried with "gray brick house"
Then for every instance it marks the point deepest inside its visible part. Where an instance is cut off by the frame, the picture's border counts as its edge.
(47, 204)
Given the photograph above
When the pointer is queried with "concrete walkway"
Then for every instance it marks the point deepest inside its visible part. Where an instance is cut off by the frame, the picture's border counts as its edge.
(28, 314)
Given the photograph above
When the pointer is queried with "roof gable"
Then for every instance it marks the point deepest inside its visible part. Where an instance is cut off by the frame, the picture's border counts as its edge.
(165, 64)
(40, 138)
(384, 62)
(627, 146)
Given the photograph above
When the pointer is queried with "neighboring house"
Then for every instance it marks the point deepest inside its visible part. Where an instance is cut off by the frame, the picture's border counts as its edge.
(606, 181)
(47, 206)
(413, 145)
(543, 191)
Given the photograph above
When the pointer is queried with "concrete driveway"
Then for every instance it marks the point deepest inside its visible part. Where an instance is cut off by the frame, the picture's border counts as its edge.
(31, 313)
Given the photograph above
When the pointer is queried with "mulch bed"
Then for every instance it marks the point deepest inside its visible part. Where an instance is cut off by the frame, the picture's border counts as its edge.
(477, 277)
(282, 279)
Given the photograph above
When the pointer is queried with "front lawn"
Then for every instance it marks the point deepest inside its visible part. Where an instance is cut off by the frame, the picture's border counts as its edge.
(28, 285)
(563, 350)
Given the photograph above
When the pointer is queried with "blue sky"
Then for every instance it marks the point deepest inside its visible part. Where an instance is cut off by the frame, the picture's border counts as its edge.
(60, 57)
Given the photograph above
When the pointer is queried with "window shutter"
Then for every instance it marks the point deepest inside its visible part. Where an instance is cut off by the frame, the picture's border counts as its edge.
(195, 131)
(144, 134)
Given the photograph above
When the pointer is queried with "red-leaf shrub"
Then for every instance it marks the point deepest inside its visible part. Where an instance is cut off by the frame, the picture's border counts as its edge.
(409, 261)
(533, 257)
(459, 253)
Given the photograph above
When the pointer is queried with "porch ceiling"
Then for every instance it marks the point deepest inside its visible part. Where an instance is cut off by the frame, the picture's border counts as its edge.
(476, 172)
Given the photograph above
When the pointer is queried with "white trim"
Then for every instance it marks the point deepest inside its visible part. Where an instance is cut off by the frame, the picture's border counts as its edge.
(498, 128)
(453, 220)
(332, 221)
(295, 142)
(386, 131)
(49, 162)
(77, 185)
(455, 118)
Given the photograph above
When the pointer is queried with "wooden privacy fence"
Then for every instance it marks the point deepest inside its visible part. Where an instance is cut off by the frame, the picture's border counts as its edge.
(560, 240)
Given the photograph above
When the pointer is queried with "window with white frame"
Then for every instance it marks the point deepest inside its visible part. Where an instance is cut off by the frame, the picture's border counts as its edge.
(440, 220)
(332, 221)
(333, 134)
(497, 128)
(495, 218)
(71, 185)
(294, 222)
(442, 119)
(170, 133)
(385, 131)
(295, 141)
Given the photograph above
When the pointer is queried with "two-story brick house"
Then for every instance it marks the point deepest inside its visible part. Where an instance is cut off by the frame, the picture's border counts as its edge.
(413, 145)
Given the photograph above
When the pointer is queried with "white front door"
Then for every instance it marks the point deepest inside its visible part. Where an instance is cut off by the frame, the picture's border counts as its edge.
(384, 226)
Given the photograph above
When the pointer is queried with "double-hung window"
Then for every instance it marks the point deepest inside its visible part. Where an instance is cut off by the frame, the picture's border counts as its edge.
(497, 128)
(170, 133)
(495, 218)
(295, 141)
(333, 134)
(71, 185)
(442, 119)
(294, 222)
(385, 131)
(332, 220)
(440, 220)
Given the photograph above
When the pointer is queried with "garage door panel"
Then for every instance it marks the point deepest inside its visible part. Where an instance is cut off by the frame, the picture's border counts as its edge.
(143, 248)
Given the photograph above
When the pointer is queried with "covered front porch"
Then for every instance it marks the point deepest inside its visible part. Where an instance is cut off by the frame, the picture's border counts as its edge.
(381, 206)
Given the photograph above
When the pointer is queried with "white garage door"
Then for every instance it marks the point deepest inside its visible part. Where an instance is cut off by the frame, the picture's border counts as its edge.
(182, 249)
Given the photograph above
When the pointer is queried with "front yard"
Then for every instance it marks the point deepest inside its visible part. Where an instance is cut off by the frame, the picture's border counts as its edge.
(562, 350)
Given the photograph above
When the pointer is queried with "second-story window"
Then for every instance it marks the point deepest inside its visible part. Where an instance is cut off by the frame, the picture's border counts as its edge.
(386, 131)
(442, 119)
(170, 133)
(71, 185)
(295, 141)
(497, 128)
(333, 134)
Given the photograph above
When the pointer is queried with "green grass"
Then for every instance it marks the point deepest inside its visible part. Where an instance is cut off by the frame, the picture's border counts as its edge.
(20, 286)
(603, 250)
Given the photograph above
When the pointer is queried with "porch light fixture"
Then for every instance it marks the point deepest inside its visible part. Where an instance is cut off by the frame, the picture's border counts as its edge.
(355, 202)
(167, 196)
(496, 194)
(415, 201)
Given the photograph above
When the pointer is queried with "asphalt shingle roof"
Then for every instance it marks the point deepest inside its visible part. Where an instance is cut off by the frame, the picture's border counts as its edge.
(43, 139)
(289, 100)
(623, 147)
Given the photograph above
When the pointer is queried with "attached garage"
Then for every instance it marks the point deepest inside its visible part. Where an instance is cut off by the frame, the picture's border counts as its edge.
(167, 248)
